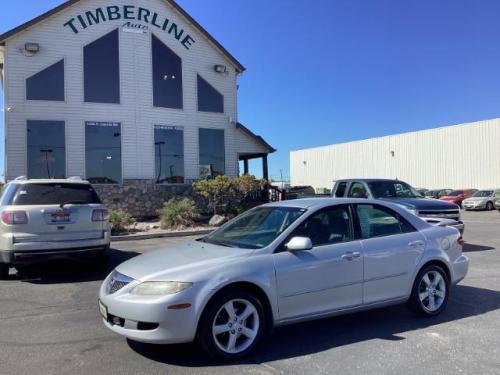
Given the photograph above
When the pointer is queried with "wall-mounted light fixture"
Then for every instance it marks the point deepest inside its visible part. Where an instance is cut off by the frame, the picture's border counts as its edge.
(220, 69)
(32, 47)
(392, 153)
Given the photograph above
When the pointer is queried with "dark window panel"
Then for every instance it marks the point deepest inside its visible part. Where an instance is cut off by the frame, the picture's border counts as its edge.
(169, 155)
(102, 70)
(47, 84)
(46, 149)
(167, 76)
(212, 150)
(103, 152)
(209, 99)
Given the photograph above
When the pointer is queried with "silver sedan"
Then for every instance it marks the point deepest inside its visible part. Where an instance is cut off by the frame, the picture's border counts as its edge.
(282, 263)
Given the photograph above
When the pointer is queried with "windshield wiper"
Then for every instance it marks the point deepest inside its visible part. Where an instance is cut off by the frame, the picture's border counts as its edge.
(214, 242)
(71, 202)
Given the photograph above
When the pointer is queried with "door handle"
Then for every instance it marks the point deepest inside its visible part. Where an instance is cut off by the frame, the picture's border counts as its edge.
(351, 255)
(417, 243)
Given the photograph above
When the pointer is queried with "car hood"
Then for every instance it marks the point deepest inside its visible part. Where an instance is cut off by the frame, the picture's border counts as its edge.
(423, 203)
(451, 198)
(477, 199)
(180, 259)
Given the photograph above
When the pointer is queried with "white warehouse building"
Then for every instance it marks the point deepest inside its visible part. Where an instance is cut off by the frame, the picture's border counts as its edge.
(456, 157)
(124, 92)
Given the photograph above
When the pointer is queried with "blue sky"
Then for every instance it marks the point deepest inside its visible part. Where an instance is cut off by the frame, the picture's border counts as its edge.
(329, 71)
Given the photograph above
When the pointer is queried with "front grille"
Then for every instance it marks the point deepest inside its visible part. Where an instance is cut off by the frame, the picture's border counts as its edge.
(438, 213)
(117, 281)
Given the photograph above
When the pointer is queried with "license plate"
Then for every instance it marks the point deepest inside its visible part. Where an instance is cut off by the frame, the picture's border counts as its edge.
(103, 310)
(60, 217)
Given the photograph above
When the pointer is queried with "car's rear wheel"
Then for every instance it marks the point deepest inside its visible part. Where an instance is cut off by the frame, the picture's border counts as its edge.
(430, 291)
(4, 271)
(490, 206)
(232, 325)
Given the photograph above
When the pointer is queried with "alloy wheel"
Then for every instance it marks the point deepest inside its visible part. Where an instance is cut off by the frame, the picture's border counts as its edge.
(236, 326)
(432, 291)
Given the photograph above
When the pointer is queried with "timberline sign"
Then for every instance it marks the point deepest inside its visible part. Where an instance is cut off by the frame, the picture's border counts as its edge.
(129, 13)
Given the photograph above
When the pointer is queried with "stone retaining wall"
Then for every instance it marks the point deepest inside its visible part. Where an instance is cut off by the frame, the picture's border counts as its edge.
(143, 198)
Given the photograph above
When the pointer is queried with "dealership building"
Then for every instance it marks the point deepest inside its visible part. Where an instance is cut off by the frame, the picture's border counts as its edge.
(132, 95)
(453, 157)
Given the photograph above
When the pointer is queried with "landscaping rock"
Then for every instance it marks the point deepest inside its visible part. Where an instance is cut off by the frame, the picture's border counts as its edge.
(217, 220)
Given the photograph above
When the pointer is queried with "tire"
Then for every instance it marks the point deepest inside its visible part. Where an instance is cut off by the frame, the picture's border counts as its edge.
(4, 271)
(230, 328)
(490, 206)
(430, 302)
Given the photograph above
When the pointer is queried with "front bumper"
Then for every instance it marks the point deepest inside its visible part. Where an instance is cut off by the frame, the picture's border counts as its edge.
(149, 319)
(474, 206)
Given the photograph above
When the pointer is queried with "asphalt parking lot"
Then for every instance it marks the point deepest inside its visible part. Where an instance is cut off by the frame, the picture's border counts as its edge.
(49, 324)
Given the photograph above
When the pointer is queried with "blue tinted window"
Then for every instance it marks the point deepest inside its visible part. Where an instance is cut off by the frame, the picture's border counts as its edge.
(169, 155)
(209, 99)
(212, 151)
(47, 84)
(103, 152)
(167, 76)
(46, 149)
(101, 70)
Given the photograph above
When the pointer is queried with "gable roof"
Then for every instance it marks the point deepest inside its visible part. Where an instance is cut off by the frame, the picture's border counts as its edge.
(239, 67)
(256, 137)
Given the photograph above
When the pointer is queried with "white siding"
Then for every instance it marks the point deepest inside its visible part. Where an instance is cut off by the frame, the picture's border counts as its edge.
(460, 156)
(135, 112)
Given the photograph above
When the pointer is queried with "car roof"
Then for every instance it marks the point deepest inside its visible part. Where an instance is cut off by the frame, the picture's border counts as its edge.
(51, 181)
(368, 179)
(320, 202)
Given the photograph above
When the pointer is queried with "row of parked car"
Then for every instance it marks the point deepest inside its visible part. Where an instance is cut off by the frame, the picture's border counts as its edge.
(469, 199)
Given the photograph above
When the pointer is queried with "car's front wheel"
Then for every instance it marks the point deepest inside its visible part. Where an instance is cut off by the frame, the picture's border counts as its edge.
(232, 325)
(490, 206)
(4, 271)
(430, 291)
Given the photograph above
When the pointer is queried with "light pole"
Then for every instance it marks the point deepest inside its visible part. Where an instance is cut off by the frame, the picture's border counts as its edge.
(46, 152)
(159, 144)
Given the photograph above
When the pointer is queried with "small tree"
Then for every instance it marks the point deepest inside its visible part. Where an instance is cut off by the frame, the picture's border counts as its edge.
(119, 220)
(224, 194)
(178, 213)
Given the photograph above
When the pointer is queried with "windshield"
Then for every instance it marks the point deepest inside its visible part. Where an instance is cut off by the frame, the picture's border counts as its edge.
(256, 228)
(483, 193)
(392, 189)
(456, 193)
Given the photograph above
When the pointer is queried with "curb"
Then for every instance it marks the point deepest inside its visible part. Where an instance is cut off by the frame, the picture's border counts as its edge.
(148, 236)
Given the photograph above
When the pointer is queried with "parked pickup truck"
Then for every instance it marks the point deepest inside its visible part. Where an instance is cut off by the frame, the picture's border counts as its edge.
(401, 193)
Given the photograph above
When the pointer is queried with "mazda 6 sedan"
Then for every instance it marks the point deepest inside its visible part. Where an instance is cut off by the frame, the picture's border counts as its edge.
(282, 263)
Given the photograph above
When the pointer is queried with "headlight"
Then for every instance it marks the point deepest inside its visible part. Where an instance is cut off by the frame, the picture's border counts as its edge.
(410, 209)
(160, 288)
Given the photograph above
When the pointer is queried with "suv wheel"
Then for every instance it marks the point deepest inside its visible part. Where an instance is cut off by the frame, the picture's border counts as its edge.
(489, 206)
(430, 291)
(232, 325)
(4, 271)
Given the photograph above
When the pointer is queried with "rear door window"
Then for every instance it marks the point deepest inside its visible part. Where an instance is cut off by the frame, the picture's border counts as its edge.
(378, 221)
(340, 191)
(54, 194)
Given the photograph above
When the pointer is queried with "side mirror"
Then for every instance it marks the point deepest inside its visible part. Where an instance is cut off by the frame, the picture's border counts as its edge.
(299, 244)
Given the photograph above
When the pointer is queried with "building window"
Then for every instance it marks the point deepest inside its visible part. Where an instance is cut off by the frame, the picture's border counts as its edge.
(167, 76)
(169, 155)
(103, 152)
(46, 149)
(101, 70)
(47, 84)
(209, 99)
(212, 152)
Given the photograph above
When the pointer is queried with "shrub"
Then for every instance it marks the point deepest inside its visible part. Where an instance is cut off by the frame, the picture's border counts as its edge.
(224, 194)
(178, 213)
(120, 220)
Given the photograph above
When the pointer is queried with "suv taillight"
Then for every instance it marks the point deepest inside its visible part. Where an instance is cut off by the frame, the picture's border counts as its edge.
(100, 215)
(461, 240)
(14, 217)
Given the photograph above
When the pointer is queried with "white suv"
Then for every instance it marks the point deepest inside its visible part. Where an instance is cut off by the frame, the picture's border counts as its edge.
(46, 219)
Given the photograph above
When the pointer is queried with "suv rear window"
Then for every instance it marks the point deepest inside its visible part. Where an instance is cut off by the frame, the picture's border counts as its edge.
(52, 194)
